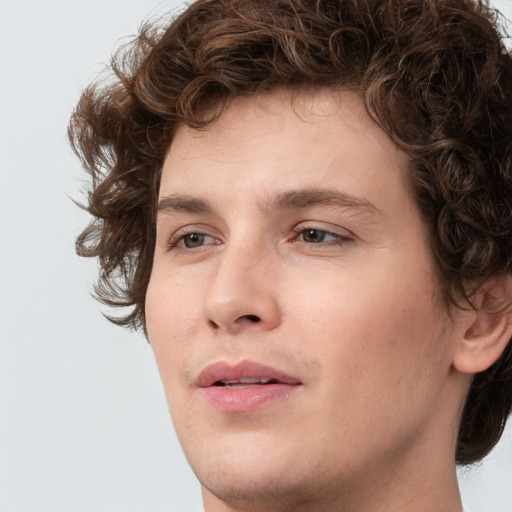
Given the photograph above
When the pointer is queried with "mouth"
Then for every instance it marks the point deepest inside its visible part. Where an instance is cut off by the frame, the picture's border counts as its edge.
(245, 386)
(243, 374)
(244, 382)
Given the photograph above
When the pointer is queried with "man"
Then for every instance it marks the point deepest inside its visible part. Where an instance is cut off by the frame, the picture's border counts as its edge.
(306, 205)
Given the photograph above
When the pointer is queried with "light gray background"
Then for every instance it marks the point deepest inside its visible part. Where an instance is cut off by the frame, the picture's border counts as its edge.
(83, 420)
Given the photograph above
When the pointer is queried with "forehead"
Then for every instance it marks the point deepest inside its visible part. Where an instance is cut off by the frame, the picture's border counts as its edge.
(282, 109)
(291, 136)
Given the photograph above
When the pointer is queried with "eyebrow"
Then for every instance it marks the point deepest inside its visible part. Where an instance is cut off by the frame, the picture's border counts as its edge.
(290, 199)
(297, 199)
(182, 203)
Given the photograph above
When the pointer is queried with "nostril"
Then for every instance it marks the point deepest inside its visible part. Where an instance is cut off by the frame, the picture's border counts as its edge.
(253, 319)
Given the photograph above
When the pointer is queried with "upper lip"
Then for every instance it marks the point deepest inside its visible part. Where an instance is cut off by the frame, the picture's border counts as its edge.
(224, 371)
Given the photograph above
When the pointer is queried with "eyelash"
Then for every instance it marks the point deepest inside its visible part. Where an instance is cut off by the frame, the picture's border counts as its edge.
(181, 236)
(338, 239)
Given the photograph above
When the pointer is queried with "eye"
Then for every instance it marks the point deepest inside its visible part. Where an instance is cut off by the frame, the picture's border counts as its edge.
(192, 240)
(313, 235)
(316, 236)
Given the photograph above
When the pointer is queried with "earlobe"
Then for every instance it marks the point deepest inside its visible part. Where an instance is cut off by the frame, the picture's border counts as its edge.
(490, 329)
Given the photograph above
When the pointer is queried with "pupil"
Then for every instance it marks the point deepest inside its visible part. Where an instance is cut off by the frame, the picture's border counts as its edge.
(313, 235)
(193, 240)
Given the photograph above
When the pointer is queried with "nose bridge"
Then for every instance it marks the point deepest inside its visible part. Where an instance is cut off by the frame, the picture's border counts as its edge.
(240, 295)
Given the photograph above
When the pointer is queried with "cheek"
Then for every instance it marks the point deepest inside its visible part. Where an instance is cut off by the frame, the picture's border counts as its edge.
(376, 329)
(382, 360)
(171, 319)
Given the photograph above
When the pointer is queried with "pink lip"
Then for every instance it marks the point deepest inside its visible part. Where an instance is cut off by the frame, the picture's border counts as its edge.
(244, 399)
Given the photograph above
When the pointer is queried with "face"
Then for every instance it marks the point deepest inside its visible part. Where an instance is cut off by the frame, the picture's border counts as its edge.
(292, 306)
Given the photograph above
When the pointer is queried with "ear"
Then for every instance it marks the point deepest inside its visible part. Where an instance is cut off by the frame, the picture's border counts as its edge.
(489, 327)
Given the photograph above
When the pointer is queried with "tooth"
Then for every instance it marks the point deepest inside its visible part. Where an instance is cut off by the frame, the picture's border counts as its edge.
(245, 380)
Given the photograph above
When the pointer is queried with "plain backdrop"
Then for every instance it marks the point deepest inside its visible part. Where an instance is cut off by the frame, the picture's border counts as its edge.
(83, 421)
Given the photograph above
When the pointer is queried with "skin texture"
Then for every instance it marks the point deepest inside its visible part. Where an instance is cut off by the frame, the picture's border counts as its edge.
(351, 310)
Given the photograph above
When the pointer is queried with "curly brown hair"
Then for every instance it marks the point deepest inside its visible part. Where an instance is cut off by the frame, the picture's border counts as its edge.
(433, 74)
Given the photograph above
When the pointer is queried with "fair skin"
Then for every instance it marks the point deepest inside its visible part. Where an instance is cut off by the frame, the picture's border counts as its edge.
(288, 238)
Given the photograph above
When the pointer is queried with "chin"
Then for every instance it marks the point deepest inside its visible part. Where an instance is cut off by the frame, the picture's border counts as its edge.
(255, 474)
(261, 489)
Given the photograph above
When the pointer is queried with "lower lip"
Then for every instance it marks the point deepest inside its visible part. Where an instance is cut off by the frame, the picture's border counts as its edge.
(247, 399)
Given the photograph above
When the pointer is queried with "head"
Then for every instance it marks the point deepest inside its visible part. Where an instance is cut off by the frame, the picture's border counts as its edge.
(427, 80)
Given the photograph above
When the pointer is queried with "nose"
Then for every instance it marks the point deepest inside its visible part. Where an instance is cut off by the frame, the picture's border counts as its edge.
(242, 295)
